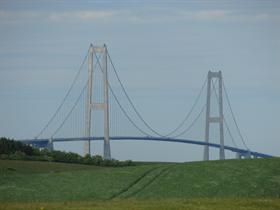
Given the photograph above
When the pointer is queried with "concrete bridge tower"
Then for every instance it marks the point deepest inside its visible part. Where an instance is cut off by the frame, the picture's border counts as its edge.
(91, 105)
(219, 119)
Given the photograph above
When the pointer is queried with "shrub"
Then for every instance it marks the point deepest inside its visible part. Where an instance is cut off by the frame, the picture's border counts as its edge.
(8, 146)
(4, 157)
(97, 160)
(87, 160)
(18, 155)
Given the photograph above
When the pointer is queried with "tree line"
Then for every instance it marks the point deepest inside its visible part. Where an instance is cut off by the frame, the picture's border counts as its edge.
(16, 150)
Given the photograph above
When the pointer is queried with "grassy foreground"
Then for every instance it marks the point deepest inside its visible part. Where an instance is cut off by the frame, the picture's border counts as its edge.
(231, 184)
(167, 204)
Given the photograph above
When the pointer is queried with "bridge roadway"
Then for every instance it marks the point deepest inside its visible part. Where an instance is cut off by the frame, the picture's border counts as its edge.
(242, 152)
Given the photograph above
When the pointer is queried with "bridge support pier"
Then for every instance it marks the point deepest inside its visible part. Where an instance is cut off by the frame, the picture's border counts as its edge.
(248, 155)
(210, 119)
(50, 145)
(238, 156)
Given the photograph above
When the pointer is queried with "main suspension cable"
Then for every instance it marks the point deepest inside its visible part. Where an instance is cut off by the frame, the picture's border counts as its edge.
(140, 116)
(194, 121)
(190, 111)
(130, 101)
(229, 132)
(192, 124)
(224, 119)
(68, 115)
(233, 116)
(64, 99)
(121, 107)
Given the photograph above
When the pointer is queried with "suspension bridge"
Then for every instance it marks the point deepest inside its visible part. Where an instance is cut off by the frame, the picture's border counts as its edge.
(97, 106)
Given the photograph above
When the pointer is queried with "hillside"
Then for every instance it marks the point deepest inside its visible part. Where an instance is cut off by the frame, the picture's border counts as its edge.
(28, 181)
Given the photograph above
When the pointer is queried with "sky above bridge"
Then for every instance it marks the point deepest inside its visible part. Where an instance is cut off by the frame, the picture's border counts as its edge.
(162, 52)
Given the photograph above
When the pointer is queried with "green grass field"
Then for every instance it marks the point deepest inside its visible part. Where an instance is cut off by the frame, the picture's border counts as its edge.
(231, 184)
(152, 204)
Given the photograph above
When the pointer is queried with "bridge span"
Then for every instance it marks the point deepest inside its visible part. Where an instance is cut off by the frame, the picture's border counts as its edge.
(103, 108)
(48, 143)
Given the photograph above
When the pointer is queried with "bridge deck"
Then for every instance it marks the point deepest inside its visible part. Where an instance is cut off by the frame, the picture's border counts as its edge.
(44, 142)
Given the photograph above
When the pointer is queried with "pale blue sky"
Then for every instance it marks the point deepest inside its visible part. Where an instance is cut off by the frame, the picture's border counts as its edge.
(162, 51)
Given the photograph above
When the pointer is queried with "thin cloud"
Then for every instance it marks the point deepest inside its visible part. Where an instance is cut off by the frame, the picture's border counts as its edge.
(54, 16)
(210, 14)
(12, 15)
(159, 15)
(82, 15)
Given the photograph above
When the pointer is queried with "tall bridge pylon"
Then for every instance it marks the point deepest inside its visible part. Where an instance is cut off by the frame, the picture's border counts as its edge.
(91, 104)
(210, 119)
